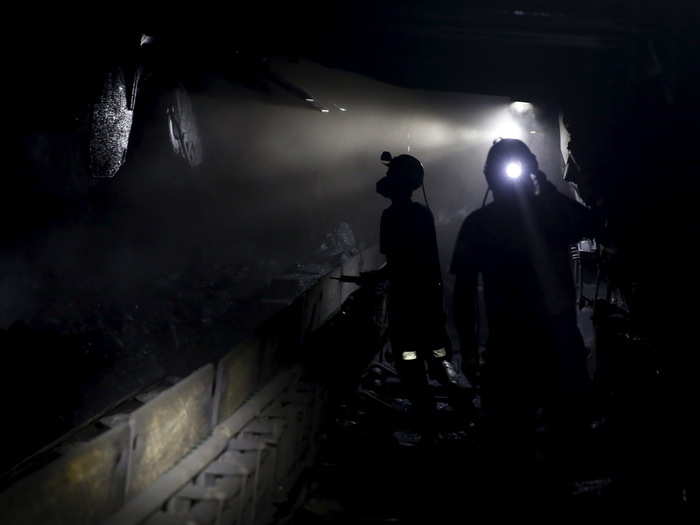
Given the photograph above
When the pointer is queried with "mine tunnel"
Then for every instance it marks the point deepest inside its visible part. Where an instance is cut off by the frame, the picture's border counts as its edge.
(202, 316)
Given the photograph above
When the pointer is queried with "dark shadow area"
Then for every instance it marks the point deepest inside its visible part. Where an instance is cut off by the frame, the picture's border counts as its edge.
(171, 183)
(373, 467)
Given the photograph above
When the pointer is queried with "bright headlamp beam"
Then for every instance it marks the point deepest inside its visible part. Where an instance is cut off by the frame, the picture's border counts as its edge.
(521, 107)
(514, 170)
(504, 125)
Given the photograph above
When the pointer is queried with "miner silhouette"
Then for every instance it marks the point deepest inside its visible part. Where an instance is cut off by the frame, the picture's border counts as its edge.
(416, 311)
(535, 357)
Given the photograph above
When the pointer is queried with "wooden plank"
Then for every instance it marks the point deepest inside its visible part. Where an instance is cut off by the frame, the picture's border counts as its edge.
(83, 487)
(237, 377)
(168, 427)
(147, 502)
(225, 488)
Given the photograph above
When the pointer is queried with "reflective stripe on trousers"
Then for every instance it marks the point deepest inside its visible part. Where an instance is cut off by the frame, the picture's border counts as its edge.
(412, 355)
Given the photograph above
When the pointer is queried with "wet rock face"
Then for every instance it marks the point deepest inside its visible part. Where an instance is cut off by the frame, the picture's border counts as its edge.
(110, 126)
(183, 129)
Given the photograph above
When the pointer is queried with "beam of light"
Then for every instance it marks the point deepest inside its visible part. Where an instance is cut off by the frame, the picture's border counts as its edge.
(434, 134)
(514, 170)
(469, 134)
(506, 127)
(309, 99)
(521, 107)
(430, 133)
(325, 110)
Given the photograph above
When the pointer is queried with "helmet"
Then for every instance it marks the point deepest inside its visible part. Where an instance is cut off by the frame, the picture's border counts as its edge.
(509, 164)
(504, 151)
(405, 174)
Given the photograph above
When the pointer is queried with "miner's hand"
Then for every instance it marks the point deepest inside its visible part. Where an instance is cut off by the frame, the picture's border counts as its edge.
(546, 187)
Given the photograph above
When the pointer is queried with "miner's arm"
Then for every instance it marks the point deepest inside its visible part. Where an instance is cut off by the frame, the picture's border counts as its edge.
(567, 218)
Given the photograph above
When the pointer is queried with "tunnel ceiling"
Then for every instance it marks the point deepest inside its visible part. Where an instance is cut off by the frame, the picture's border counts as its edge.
(541, 51)
(527, 49)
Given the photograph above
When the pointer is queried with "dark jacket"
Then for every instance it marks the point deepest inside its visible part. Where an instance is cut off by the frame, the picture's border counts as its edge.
(408, 240)
(522, 250)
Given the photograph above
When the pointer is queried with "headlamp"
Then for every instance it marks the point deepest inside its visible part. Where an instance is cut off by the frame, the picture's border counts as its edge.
(514, 170)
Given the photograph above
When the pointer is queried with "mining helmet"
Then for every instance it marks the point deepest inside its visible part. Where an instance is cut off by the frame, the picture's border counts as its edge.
(405, 174)
(510, 164)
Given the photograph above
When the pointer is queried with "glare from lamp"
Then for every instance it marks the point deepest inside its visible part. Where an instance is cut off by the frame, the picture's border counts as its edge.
(507, 128)
(521, 107)
(325, 110)
(514, 170)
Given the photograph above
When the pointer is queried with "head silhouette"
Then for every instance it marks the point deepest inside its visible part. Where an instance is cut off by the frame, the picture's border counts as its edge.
(509, 168)
(404, 176)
